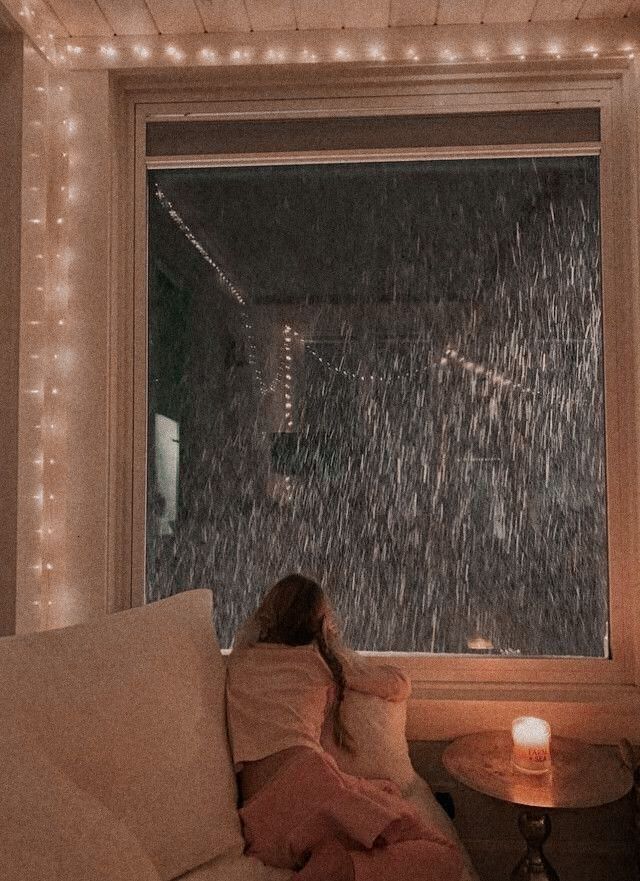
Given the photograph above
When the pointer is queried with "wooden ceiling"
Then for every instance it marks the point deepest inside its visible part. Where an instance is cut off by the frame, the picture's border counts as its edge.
(105, 18)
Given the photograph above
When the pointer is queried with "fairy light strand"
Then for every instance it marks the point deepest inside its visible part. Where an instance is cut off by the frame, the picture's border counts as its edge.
(451, 356)
(226, 282)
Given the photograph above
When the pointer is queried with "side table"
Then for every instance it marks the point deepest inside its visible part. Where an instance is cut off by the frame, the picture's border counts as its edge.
(582, 776)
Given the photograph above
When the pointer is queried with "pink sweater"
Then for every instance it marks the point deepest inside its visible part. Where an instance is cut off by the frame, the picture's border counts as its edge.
(277, 696)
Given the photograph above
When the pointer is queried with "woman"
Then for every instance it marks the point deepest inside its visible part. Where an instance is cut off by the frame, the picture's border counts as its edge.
(286, 673)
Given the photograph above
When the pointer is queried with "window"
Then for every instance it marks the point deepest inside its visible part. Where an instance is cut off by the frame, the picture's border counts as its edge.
(388, 374)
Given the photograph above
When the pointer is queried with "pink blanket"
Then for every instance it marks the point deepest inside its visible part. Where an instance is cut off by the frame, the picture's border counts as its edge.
(331, 826)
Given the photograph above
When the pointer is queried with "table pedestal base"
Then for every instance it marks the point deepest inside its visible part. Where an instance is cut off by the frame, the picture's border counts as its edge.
(534, 866)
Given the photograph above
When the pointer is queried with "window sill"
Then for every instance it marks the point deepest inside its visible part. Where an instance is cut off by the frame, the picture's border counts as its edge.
(597, 713)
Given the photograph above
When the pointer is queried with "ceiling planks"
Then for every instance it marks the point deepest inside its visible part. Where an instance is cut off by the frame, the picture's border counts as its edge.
(128, 16)
(497, 11)
(366, 13)
(82, 18)
(556, 10)
(175, 18)
(103, 18)
(460, 11)
(319, 14)
(224, 15)
(404, 13)
(271, 15)
(604, 9)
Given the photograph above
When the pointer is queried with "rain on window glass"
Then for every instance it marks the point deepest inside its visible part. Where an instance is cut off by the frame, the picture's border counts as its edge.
(389, 376)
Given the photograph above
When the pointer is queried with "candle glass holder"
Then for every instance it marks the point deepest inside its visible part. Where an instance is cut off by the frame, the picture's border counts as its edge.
(531, 745)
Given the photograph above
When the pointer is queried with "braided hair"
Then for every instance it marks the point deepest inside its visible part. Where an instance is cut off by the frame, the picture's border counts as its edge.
(296, 612)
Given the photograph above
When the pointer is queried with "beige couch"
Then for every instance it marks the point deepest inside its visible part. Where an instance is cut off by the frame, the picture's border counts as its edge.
(114, 762)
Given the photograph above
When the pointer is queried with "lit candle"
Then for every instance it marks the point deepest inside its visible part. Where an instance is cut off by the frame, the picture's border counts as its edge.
(531, 738)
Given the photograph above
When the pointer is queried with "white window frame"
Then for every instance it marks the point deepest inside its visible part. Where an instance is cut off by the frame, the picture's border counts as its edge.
(573, 692)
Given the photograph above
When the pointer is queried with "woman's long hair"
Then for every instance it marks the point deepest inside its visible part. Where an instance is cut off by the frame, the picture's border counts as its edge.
(296, 612)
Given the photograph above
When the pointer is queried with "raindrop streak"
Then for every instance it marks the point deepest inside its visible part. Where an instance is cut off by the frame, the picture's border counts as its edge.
(403, 397)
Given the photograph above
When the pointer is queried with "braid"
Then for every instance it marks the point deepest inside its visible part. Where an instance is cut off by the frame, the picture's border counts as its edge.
(333, 662)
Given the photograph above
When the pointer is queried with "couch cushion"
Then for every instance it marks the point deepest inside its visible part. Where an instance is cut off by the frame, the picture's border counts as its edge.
(50, 829)
(131, 710)
(377, 728)
(242, 868)
(381, 751)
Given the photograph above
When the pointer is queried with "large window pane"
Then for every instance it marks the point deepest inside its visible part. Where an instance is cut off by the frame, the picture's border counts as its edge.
(388, 375)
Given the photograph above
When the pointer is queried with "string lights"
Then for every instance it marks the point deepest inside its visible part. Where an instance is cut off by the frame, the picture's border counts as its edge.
(288, 377)
(451, 356)
(54, 432)
(135, 54)
(44, 343)
(226, 283)
(446, 44)
(494, 377)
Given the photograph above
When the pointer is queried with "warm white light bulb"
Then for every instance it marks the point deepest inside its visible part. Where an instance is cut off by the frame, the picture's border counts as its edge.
(175, 53)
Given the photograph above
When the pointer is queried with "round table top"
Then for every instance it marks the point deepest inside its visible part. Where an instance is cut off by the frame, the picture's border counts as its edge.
(582, 775)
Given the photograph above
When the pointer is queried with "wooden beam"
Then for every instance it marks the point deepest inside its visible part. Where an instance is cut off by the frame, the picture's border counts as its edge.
(405, 13)
(128, 16)
(82, 18)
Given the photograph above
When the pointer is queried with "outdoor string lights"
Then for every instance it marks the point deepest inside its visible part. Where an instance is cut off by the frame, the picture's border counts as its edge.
(227, 284)
(450, 357)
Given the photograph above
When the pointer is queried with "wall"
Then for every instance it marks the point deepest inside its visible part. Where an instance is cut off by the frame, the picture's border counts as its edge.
(10, 182)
